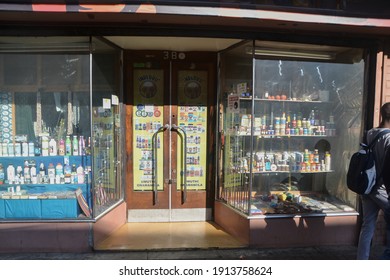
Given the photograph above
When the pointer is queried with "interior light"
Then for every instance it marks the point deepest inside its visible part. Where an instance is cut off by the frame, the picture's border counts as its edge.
(292, 53)
(36, 48)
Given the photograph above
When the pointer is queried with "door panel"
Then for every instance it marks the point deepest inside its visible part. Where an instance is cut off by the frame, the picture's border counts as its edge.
(191, 93)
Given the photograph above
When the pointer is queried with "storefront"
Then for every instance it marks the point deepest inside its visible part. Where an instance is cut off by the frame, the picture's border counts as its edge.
(155, 113)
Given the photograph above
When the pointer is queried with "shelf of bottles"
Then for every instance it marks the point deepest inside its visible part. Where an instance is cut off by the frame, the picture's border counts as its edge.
(281, 124)
(284, 162)
(286, 123)
(46, 168)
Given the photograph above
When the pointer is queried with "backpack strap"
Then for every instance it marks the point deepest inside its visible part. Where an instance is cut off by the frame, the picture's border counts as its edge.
(375, 140)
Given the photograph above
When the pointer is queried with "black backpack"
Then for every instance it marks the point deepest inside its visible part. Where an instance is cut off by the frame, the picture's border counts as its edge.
(361, 175)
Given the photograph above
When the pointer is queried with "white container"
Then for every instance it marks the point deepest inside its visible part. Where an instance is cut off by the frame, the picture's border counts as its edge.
(31, 149)
(18, 149)
(327, 161)
(52, 147)
(51, 173)
(10, 173)
(80, 175)
(11, 149)
(4, 148)
(25, 150)
(45, 146)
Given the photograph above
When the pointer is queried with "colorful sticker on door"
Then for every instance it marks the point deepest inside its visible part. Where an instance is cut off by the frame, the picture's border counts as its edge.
(192, 95)
(147, 136)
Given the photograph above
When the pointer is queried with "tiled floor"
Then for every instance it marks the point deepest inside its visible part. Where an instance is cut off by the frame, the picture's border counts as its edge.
(174, 235)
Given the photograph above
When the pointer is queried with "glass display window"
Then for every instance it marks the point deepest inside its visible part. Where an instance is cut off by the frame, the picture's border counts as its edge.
(291, 113)
(46, 136)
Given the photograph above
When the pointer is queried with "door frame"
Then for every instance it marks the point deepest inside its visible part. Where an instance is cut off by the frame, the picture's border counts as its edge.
(135, 199)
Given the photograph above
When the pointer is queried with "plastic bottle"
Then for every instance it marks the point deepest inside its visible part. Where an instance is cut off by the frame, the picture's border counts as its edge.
(26, 172)
(316, 156)
(18, 149)
(52, 147)
(299, 120)
(45, 146)
(2, 174)
(4, 149)
(68, 146)
(42, 172)
(67, 173)
(294, 121)
(51, 172)
(59, 169)
(74, 174)
(61, 147)
(25, 152)
(306, 156)
(312, 117)
(11, 149)
(19, 178)
(327, 161)
(80, 175)
(31, 149)
(75, 146)
(33, 173)
(81, 146)
(37, 148)
(10, 173)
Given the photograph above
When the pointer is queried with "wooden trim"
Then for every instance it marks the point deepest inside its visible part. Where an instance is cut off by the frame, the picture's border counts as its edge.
(382, 81)
(378, 89)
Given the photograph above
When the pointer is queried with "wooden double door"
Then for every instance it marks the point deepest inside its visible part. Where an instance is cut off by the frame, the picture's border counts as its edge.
(170, 125)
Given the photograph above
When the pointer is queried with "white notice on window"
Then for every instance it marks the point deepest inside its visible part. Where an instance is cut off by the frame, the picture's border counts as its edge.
(233, 103)
(106, 103)
(114, 100)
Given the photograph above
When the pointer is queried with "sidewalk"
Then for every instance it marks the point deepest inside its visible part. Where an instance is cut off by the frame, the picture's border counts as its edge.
(307, 253)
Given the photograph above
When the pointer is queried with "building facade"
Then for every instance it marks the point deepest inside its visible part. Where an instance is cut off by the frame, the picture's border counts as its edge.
(244, 113)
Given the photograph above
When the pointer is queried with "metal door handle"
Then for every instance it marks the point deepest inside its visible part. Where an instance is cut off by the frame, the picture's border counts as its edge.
(184, 181)
(154, 159)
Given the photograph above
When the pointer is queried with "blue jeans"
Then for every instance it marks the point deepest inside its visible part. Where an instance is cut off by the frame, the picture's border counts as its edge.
(372, 203)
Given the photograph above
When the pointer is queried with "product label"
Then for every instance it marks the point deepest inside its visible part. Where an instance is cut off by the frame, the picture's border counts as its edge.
(148, 119)
(193, 120)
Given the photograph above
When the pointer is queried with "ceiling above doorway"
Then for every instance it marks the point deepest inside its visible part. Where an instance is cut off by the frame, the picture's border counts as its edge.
(183, 44)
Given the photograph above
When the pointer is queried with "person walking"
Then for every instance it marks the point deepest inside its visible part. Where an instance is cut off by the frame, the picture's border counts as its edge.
(378, 199)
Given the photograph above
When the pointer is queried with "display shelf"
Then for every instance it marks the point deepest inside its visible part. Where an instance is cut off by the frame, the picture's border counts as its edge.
(286, 172)
(45, 188)
(41, 200)
(302, 203)
(285, 100)
(21, 159)
(277, 136)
